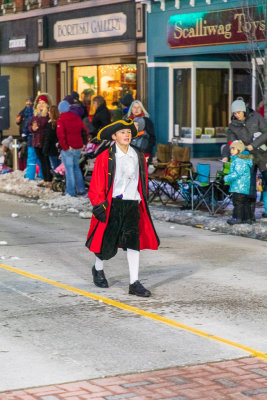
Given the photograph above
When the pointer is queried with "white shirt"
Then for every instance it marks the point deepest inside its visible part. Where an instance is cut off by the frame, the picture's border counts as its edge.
(126, 175)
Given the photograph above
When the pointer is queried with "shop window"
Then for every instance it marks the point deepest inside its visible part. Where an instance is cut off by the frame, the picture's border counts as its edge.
(115, 81)
(182, 103)
(110, 81)
(212, 103)
(242, 84)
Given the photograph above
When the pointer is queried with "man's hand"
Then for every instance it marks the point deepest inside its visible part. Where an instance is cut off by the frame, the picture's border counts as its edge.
(250, 148)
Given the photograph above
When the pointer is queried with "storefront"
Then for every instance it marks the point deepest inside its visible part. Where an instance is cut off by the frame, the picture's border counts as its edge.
(19, 59)
(202, 56)
(93, 51)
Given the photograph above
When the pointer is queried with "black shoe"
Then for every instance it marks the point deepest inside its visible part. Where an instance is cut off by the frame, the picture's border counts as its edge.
(138, 289)
(234, 221)
(99, 278)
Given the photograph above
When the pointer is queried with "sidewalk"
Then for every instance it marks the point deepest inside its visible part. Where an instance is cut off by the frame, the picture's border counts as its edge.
(15, 183)
(244, 378)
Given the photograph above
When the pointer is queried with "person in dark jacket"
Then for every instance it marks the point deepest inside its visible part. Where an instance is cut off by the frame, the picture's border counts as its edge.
(26, 134)
(123, 107)
(101, 117)
(72, 137)
(249, 126)
(50, 142)
(78, 107)
(38, 126)
(137, 110)
(24, 117)
(22, 121)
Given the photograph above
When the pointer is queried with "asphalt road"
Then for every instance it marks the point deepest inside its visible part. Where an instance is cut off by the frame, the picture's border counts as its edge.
(208, 281)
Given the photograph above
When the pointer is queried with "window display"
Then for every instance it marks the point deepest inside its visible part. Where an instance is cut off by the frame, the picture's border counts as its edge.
(212, 102)
(110, 81)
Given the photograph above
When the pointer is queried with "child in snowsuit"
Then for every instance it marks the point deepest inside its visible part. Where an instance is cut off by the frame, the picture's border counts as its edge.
(239, 179)
(121, 217)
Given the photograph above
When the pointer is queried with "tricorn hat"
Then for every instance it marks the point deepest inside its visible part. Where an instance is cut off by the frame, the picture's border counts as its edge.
(109, 130)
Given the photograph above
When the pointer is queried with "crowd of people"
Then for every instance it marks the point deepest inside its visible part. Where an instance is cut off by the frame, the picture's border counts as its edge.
(52, 136)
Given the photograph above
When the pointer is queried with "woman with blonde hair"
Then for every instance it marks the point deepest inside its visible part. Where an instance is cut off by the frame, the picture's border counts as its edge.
(146, 139)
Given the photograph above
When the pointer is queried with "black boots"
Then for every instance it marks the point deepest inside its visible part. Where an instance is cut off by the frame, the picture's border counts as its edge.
(138, 289)
(99, 278)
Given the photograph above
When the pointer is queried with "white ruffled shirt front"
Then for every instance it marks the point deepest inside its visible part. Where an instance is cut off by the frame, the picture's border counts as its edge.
(126, 175)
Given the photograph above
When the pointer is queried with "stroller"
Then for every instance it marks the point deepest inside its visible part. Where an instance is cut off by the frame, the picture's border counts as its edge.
(87, 160)
(59, 181)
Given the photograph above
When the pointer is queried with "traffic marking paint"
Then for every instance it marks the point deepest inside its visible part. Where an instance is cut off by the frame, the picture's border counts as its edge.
(147, 314)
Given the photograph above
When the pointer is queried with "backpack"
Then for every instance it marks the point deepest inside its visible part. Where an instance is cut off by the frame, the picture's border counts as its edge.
(141, 142)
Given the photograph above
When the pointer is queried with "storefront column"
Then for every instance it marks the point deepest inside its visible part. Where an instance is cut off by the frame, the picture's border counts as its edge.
(142, 80)
(51, 81)
(43, 78)
(63, 79)
(193, 102)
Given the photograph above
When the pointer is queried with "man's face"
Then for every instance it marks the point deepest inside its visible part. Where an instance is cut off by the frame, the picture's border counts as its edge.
(123, 137)
(28, 103)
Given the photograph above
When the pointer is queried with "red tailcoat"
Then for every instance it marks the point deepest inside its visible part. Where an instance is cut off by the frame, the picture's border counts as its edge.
(101, 188)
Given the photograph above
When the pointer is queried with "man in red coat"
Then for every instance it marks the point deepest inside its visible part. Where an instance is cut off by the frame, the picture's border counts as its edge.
(121, 217)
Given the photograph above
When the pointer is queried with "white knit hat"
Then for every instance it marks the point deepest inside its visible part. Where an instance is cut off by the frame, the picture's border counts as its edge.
(238, 105)
(7, 141)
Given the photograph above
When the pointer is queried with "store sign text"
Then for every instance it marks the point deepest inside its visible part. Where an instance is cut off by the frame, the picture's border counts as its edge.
(90, 28)
(217, 27)
(17, 43)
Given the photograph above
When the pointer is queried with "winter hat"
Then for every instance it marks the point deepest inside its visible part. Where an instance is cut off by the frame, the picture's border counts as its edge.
(238, 145)
(43, 98)
(109, 130)
(7, 141)
(238, 105)
(69, 98)
(64, 106)
(127, 100)
(141, 123)
(75, 95)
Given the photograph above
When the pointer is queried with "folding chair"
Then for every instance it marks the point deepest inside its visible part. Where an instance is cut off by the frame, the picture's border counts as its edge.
(163, 182)
(207, 191)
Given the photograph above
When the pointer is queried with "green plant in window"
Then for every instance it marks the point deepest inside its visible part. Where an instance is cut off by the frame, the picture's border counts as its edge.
(91, 83)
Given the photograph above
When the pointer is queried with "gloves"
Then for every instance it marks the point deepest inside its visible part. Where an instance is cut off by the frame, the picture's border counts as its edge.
(99, 211)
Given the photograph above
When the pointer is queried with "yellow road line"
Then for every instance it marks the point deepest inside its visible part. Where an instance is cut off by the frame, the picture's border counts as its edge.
(123, 306)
